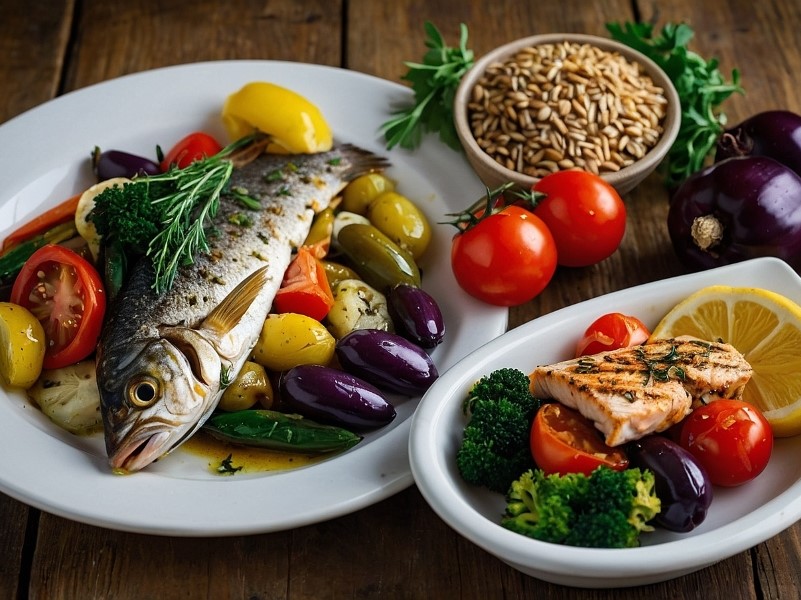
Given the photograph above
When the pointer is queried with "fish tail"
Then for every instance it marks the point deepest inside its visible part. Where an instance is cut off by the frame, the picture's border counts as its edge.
(361, 162)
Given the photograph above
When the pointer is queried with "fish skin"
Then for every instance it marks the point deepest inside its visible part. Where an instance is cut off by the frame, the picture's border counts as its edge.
(179, 346)
(615, 391)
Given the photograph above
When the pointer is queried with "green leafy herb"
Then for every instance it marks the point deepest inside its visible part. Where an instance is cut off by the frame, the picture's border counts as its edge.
(227, 467)
(700, 85)
(434, 82)
(166, 216)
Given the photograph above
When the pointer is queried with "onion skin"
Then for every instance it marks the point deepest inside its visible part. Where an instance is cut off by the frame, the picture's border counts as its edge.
(755, 200)
(773, 133)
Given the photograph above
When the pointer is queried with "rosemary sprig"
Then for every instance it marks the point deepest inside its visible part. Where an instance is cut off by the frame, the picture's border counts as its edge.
(434, 82)
(166, 216)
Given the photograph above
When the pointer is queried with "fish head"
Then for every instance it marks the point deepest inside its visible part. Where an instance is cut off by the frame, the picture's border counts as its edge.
(156, 394)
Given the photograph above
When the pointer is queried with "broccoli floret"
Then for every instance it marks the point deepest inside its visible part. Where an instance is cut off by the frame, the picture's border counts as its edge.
(495, 447)
(607, 509)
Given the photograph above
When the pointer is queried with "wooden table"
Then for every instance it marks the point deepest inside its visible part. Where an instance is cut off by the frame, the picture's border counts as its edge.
(397, 548)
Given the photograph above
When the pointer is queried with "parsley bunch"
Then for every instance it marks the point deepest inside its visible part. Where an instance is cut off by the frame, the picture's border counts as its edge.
(700, 85)
(434, 82)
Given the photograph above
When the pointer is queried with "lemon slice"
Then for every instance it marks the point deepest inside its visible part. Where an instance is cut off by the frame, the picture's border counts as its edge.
(293, 122)
(766, 328)
(22, 346)
(86, 228)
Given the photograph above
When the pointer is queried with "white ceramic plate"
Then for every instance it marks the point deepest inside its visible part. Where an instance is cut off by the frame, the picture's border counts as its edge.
(48, 161)
(739, 518)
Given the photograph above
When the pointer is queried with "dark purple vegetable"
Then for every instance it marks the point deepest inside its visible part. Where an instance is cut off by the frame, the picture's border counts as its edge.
(737, 209)
(416, 315)
(116, 163)
(773, 133)
(682, 484)
(387, 360)
(333, 396)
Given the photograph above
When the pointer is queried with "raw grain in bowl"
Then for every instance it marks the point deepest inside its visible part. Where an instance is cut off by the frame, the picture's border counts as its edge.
(561, 102)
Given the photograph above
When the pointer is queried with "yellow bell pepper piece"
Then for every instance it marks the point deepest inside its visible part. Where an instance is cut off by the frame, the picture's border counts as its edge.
(293, 122)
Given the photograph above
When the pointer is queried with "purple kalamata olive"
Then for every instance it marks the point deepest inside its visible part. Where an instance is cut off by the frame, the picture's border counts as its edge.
(737, 209)
(116, 163)
(416, 315)
(681, 483)
(773, 133)
(333, 396)
(387, 360)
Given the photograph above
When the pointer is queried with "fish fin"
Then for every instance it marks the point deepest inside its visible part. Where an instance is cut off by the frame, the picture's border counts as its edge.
(361, 161)
(227, 314)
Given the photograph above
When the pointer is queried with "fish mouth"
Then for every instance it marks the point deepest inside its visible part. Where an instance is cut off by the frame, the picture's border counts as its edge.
(138, 453)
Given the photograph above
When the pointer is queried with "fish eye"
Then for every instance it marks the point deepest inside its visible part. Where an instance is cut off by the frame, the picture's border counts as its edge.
(143, 392)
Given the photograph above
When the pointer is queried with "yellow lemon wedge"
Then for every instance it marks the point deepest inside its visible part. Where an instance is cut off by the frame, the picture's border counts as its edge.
(766, 328)
(86, 228)
(295, 124)
(22, 346)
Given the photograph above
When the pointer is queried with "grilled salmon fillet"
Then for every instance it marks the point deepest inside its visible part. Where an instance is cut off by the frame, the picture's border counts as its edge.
(632, 392)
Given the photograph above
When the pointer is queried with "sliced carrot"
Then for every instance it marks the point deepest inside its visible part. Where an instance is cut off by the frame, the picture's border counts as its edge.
(47, 220)
(305, 288)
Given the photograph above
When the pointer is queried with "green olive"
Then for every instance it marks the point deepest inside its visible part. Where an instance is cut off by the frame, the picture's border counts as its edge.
(249, 387)
(357, 306)
(361, 191)
(336, 272)
(290, 339)
(379, 260)
(321, 228)
(401, 221)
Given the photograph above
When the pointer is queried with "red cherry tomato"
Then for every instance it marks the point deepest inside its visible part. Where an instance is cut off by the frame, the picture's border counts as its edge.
(305, 288)
(585, 214)
(64, 291)
(195, 146)
(507, 258)
(564, 441)
(610, 332)
(730, 438)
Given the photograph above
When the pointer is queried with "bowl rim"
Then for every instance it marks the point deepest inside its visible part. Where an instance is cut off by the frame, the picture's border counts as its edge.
(653, 157)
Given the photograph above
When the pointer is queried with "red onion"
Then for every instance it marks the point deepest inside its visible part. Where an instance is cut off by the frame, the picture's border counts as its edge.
(773, 133)
(737, 209)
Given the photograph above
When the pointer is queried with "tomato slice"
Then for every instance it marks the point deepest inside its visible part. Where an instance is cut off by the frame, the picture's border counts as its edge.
(564, 441)
(610, 332)
(65, 293)
(730, 438)
(195, 146)
(305, 288)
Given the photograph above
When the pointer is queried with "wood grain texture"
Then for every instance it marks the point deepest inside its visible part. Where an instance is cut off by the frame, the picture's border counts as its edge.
(398, 548)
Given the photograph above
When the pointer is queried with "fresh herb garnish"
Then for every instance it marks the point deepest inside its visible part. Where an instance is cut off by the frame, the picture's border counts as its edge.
(226, 466)
(242, 196)
(700, 85)
(165, 216)
(434, 82)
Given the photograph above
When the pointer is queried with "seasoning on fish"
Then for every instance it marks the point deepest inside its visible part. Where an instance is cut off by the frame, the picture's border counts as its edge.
(164, 360)
(631, 392)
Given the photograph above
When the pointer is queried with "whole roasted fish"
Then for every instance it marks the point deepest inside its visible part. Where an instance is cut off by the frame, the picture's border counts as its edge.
(164, 360)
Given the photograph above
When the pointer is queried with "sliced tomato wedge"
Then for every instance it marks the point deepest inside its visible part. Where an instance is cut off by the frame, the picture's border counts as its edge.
(57, 215)
(564, 441)
(305, 288)
(610, 332)
(195, 146)
(65, 292)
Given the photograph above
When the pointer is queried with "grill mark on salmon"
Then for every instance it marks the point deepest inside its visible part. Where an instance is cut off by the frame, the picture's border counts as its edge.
(631, 392)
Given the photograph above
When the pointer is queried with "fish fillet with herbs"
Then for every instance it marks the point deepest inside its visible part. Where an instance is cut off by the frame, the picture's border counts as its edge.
(631, 392)
(164, 358)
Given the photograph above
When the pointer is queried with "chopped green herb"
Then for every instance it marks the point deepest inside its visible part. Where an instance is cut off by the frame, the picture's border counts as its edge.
(241, 195)
(241, 219)
(226, 466)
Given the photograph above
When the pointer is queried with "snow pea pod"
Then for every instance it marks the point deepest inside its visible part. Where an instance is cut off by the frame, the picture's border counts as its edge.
(279, 431)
